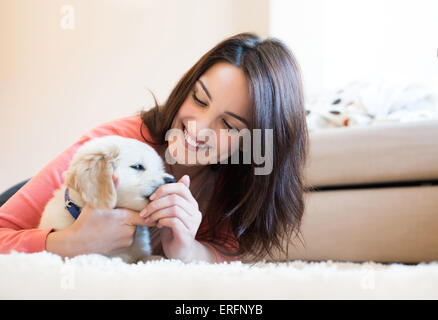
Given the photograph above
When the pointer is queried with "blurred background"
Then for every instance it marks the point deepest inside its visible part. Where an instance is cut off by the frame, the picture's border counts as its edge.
(68, 66)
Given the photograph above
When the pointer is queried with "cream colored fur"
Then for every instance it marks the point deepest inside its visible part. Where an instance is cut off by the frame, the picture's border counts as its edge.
(90, 181)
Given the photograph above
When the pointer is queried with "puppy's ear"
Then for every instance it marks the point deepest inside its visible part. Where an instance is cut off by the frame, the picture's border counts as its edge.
(90, 174)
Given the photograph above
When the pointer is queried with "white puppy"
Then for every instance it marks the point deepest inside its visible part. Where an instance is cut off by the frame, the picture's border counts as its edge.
(108, 172)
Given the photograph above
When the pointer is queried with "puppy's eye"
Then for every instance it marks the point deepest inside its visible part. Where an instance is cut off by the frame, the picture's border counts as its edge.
(138, 167)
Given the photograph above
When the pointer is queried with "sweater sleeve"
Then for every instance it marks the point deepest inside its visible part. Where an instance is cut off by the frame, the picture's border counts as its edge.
(20, 215)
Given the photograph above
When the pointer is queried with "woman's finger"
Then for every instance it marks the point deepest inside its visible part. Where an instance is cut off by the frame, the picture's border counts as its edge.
(170, 212)
(165, 202)
(175, 224)
(178, 187)
(133, 218)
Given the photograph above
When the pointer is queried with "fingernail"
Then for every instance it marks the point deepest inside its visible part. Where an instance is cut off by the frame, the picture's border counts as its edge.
(152, 197)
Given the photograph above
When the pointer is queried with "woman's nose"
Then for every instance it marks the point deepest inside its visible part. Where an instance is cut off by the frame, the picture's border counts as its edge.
(199, 124)
(199, 128)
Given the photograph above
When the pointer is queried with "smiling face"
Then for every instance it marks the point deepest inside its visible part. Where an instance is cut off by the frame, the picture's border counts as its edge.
(218, 103)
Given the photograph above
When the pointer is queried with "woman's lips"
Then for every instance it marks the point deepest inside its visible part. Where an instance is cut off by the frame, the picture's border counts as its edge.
(193, 142)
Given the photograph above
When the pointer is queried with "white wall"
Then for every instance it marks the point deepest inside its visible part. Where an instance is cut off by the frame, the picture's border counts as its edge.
(57, 83)
(337, 41)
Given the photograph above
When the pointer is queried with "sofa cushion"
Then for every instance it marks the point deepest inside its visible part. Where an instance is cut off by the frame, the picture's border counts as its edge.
(376, 224)
(382, 153)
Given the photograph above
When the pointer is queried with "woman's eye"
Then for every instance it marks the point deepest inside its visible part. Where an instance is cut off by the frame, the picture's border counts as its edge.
(229, 128)
(203, 104)
(197, 100)
(138, 167)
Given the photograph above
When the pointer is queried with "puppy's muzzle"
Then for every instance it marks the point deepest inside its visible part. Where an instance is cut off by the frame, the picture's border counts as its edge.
(169, 180)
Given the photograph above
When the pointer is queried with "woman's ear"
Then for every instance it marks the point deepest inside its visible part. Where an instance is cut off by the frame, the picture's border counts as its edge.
(91, 175)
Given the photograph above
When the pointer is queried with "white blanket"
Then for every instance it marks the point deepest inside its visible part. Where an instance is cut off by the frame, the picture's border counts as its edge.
(47, 276)
(364, 103)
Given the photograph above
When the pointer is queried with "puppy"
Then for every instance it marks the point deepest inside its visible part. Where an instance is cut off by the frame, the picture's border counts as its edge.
(108, 172)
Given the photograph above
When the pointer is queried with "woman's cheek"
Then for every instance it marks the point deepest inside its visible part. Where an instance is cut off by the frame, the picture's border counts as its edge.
(227, 145)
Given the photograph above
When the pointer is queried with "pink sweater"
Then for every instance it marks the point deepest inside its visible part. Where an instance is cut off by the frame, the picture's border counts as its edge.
(20, 215)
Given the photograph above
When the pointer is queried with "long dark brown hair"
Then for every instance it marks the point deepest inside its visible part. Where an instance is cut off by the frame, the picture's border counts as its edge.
(263, 212)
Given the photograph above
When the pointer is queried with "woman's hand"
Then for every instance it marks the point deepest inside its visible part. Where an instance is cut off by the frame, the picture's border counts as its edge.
(96, 231)
(174, 210)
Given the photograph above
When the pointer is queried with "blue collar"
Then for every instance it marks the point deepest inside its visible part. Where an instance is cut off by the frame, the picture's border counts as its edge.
(70, 206)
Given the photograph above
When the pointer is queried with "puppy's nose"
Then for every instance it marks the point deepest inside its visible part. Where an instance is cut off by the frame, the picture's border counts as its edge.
(169, 180)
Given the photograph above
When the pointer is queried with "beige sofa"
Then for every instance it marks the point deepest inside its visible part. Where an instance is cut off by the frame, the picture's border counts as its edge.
(375, 194)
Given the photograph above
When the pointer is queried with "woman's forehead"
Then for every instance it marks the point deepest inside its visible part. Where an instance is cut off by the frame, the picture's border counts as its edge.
(228, 88)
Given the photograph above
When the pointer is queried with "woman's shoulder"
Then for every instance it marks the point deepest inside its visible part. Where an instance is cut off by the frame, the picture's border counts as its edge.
(130, 126)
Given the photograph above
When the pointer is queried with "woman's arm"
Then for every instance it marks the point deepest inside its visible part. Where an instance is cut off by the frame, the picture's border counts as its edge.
(212, 256)
(96, 231)
(21, 214)
(215, 255)
(31, 240)
(229, 242)
(202, 251)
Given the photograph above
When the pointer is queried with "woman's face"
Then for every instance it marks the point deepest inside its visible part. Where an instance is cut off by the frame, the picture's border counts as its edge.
(217, 104)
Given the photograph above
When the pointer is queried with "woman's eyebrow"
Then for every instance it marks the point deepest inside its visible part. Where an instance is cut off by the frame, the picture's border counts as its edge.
(205, 89)
(238, 118)
(227, 112)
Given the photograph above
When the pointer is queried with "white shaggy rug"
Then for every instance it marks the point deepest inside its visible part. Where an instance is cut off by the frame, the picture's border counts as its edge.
(47, 276)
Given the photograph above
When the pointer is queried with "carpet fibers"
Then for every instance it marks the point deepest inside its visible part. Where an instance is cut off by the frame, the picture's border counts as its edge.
(47, 276)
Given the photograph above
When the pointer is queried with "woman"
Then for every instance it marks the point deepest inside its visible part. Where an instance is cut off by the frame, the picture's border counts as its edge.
(216, 211)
